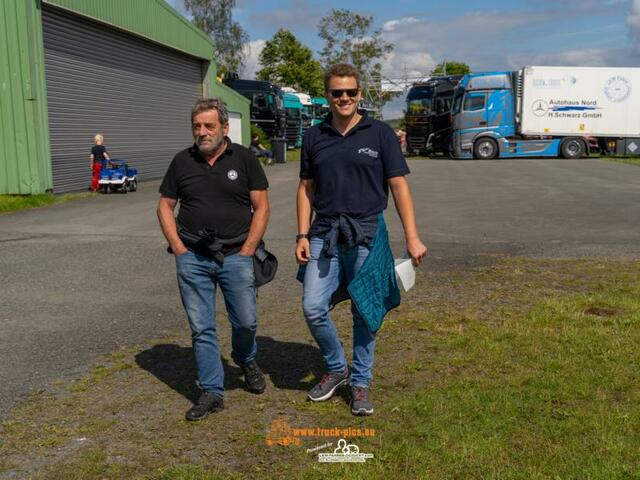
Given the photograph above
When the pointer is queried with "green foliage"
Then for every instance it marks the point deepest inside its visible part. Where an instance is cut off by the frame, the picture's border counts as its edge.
(450, 68)
(395, 122)
(264, 139)
(286, 61)
(213, 17)
(348, 37)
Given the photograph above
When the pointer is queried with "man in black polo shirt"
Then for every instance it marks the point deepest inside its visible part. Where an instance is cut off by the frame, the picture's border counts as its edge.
(348, 164)
(218, 184)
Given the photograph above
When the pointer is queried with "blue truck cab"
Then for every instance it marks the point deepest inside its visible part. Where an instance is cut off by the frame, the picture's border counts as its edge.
(320, 109)
(485, 115)
(293, 109)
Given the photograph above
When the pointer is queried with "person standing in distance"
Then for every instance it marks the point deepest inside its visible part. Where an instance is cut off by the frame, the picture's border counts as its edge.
(224, 210)
(348, 164)
(98, 156)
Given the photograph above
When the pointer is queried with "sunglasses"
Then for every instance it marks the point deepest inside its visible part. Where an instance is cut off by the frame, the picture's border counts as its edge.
(351, 92)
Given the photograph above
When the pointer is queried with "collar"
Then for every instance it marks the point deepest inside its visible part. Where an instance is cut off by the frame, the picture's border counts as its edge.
(365, 122)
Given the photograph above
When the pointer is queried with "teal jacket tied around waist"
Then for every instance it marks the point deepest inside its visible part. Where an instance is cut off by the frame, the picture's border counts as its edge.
(374, 290)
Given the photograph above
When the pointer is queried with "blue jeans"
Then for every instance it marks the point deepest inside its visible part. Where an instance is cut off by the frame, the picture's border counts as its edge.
(198, 278)
(322, 277)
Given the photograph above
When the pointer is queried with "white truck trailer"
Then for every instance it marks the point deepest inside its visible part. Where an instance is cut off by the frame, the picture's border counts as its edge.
(546, 111)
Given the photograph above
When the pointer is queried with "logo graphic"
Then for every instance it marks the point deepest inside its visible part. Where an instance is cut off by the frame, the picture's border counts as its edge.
(232, 175)
(319, 447)
(540, 108)
(344, 452)
(617, 89)
(566, 81)
(368, 151)
(281, 433)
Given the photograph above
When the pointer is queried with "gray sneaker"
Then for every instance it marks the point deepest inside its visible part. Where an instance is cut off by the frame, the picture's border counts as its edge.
(360, 404)
(328, 385)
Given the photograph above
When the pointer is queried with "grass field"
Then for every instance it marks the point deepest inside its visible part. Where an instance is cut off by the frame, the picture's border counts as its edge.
(629, 160)
(293, 155)
(523, 369)
(13, 203)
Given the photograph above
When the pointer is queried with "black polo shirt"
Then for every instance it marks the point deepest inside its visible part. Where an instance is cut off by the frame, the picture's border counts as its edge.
(350, 172)
(215, 197)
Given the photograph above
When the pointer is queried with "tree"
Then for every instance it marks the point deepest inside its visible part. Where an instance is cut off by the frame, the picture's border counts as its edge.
(450, 68)
(348, 38)
(286, 61)
(213, 17)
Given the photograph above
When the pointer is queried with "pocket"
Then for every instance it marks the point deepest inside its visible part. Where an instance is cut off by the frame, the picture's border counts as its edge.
(180, 258)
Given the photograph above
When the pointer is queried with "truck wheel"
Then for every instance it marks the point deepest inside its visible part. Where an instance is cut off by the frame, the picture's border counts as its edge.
(134, 185)
(572, 148)
(485, 149)
(125, 187)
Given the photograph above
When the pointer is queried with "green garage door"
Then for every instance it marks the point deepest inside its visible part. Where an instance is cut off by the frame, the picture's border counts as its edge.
(101, 80)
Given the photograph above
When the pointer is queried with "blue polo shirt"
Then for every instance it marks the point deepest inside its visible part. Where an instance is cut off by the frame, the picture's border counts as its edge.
(350, 172)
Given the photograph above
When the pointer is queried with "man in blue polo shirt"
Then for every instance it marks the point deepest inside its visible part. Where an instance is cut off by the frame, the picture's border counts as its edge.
(348, 164)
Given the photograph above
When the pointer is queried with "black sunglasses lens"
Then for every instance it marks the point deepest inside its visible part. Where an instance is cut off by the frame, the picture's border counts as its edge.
(351, 92)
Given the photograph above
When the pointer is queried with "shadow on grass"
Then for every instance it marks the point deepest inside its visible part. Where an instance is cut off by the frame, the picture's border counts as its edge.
(288, 364)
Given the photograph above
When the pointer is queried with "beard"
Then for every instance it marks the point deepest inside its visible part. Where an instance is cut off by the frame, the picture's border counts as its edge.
(212, 145)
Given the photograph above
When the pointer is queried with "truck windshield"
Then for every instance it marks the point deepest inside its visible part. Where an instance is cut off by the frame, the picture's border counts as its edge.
(262, 101)
(457, 101)
(293, 112)
(320, 111)
(420, 100)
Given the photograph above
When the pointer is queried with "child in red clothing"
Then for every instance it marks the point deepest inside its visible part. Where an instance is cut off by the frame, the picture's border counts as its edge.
(98, 156)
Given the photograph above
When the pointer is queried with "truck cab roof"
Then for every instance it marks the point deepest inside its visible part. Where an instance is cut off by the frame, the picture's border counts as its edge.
(253, 86)
(486, 81)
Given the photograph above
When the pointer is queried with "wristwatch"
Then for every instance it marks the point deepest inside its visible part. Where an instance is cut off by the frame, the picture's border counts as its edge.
(300, 236)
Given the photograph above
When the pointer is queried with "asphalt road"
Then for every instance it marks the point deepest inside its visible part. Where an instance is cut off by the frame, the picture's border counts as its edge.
(82, 279)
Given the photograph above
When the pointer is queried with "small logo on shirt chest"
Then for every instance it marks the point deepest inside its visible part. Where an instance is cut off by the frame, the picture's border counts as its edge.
(232, 175)
(368, 151)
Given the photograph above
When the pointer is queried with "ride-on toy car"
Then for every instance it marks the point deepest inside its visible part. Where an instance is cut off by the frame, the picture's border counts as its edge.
(117, 176)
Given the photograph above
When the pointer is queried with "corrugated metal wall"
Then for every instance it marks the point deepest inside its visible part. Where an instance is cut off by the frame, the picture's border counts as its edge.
(24, 142)
(235, 103)
(152, 19)
(134, 92)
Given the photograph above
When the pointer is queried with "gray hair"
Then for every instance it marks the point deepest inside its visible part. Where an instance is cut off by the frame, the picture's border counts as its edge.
(217, 104)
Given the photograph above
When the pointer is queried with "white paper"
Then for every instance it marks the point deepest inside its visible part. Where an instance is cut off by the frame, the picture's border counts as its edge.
(405, 273)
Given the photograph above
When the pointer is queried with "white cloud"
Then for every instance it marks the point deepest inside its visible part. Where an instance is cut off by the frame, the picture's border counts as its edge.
(633, 21)
(421, 43)
(409, 63)
(485, 40)
(252, 51)
(391, 25)
(592, 57)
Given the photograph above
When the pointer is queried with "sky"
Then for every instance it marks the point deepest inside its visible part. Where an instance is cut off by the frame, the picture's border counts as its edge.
(487, 35)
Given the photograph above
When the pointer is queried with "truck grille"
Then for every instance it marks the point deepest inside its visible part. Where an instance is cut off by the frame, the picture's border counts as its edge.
(292, 135)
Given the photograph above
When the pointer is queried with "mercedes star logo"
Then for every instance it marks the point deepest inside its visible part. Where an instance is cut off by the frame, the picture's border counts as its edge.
(540, 108)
